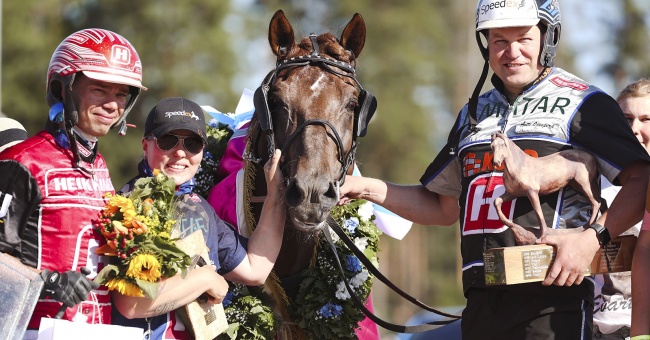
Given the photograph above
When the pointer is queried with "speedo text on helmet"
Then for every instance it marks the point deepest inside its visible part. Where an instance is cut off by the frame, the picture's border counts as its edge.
(502, 4)
(169, 114)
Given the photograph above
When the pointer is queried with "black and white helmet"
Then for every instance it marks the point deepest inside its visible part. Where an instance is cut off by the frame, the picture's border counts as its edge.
(518, 13)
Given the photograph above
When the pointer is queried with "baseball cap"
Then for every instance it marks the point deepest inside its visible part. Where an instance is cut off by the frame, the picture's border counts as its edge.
(11, 133)
(506, 13)
(175, 113)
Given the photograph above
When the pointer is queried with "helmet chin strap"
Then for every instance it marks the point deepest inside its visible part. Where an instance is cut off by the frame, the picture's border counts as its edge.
(134, 93)
(472, 106)
(70, 119)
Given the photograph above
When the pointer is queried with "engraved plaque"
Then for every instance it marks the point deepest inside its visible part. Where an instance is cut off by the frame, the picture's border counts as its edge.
(521, 264)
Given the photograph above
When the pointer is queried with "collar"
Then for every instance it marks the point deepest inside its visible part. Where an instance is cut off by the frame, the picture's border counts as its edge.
(90, 140)
(498, 83)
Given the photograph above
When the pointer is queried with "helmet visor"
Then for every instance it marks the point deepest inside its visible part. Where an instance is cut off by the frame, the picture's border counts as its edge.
(114, 78)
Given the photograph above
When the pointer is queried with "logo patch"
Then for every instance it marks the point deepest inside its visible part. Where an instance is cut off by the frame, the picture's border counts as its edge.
(192, 115)
(571, 84)
(480, 214)
(120, 55)
(471, 165)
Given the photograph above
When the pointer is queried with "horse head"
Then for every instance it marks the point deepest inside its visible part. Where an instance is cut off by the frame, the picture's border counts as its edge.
(313, 108)
(500, 148)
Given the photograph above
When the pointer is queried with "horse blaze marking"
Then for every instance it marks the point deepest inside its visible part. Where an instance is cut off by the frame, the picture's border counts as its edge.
(480, 214)
(316, 84)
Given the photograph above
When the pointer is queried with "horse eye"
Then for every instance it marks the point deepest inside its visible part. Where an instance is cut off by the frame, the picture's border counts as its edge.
(352, 105)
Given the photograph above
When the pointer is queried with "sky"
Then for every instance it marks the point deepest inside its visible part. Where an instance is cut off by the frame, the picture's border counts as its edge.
(584, 32)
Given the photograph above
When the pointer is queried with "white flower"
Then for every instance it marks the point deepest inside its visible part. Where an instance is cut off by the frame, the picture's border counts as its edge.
(361, 243)
(335, 237)
(365, 211)
(341, 291)
(359, 279)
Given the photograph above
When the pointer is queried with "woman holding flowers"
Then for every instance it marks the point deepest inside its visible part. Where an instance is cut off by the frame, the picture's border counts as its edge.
(174, 138)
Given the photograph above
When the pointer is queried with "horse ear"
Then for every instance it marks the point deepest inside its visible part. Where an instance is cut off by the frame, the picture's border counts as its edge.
(281, 35)
(354, 35)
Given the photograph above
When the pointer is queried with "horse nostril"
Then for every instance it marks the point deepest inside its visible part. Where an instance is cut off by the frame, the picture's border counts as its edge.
(331, 192)
(294, 194)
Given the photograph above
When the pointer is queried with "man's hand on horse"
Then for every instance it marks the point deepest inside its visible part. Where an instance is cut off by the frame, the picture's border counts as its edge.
(573, 255)
(353, 188)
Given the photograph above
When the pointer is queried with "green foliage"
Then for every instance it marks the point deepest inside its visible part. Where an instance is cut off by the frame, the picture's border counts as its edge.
(248, 313)
(218, 136)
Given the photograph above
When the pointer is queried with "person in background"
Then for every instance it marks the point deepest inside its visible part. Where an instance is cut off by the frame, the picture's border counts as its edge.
(613, 292)
(635, 102)
(58, 177)
(11, 132)
(544, 110)
(173, 142)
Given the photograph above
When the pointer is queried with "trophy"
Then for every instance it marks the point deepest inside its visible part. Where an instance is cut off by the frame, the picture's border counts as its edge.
(204, 319)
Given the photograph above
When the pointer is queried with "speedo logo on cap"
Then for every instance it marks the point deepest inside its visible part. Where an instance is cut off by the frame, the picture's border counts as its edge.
(501, 4)
(169, 114)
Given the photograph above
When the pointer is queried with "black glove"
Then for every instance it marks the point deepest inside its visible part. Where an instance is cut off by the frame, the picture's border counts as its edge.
(69, 287)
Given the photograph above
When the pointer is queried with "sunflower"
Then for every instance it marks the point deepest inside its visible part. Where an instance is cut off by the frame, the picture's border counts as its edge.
(124, 287)
(125, 206)
(144, 267)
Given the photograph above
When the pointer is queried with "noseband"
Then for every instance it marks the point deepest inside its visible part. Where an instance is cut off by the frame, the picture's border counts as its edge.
(264, 114)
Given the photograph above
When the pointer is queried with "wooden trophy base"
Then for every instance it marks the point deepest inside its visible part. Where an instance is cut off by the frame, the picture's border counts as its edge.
(522, 264)
(204, 319)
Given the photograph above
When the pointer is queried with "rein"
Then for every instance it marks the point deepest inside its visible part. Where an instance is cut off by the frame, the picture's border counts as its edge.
(449, 318)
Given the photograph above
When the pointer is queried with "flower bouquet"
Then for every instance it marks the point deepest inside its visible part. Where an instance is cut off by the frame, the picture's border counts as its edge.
(137, 230)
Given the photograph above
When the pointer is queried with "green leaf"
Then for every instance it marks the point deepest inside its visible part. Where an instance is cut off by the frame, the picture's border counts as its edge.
(107, 272)
(150, 289)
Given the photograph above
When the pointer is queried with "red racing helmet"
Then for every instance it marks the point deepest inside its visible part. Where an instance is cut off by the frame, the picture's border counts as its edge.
(101, 55)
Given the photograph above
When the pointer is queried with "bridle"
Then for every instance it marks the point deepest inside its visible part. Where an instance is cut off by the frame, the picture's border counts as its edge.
(363, 113)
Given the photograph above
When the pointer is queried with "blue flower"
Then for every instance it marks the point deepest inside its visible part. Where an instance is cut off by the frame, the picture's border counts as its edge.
(330, 310)
(352, 264)
(351, 224)
(228, 299)
(213, 123)
(207, 154)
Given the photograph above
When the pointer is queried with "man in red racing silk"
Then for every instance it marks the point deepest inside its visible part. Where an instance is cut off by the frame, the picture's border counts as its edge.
(58, 178)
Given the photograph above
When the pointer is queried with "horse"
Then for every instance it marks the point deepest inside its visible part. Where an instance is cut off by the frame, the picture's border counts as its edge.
(529, 176)
(313, 108)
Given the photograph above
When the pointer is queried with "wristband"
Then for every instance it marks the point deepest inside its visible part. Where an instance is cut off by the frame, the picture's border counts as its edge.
(602, 233)
(640, 337)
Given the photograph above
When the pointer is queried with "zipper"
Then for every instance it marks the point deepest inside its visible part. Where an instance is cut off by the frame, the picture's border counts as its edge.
(511, 108)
